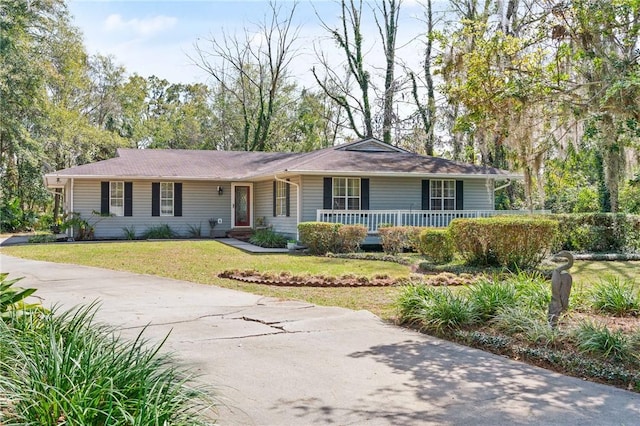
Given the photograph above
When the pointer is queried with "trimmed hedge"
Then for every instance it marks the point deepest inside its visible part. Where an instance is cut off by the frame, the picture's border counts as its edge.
(519, 242)
(599, 232)
(436, 245)
(395, 239)
(322, 238)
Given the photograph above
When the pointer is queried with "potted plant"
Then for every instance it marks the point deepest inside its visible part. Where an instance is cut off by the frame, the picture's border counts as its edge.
(292, 244)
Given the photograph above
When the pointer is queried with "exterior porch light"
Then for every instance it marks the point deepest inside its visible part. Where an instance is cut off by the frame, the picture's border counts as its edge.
(220, 190)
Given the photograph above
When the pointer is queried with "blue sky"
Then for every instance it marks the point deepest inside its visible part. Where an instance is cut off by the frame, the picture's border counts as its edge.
(156, 37)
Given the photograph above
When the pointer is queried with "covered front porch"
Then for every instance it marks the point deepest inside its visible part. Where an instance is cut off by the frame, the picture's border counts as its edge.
(374, 219)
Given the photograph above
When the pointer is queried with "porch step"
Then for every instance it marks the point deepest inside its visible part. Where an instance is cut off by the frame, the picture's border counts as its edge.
(240, 234)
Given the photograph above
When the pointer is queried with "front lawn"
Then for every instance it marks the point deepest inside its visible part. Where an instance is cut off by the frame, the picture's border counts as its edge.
(202, 261)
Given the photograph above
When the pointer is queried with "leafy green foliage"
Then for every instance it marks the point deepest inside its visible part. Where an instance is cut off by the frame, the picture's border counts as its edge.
(598, 339)
(615, 296)
(68, 368)
(129, 232)
(518, 242)
(158, 232)
(599, 232)
(434, 308)
(436, 245)
(487, 297)
(268, 238)
(319, 237)
(395, 239)
(12, 298)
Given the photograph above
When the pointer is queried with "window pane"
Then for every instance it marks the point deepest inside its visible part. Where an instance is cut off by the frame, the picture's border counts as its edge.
(354, 204)
(449, 204)
(339, 187)
(354, 187)
(436, 204)
(339, 203)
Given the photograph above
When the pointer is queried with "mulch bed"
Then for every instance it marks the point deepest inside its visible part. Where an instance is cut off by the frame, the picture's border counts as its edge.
(307, 281)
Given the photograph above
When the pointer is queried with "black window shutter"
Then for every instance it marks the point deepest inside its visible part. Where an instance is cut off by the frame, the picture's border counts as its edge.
(177, 199)
(327, 194)
(104, 197)
(128, 198)
(275, 189)
(155, 199)
(426, 193)
(459, 195)
(288, 198)
(364, 194)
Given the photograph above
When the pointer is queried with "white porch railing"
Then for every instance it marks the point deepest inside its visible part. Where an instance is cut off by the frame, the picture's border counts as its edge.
(372, 219)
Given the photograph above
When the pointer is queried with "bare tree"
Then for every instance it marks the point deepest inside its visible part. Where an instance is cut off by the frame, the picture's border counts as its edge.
(390, 10)
(252, 69)
(426, 112)
(349, 39)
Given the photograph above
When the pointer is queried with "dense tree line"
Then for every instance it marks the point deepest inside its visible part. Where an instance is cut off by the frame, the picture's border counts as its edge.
(548, 88)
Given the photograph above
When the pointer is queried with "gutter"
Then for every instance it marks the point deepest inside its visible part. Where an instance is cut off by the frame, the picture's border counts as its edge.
(298, 201)
(503, 186)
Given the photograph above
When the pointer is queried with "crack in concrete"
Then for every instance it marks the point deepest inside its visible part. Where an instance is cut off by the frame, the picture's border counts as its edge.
(270, 324)
(155, 324)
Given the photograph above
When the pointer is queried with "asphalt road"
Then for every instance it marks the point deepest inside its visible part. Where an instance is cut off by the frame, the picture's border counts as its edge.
(278, 362)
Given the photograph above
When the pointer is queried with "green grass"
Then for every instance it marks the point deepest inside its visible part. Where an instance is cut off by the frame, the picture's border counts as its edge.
(201, 261)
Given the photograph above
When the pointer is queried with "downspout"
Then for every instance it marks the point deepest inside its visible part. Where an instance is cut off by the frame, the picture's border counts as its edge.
(71, 204)
(298, 201)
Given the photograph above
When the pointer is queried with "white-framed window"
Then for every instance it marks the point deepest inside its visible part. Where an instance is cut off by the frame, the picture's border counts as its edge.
(281, 198)
(166, 198)
(116, 198)
(346, 193)
(443, 194)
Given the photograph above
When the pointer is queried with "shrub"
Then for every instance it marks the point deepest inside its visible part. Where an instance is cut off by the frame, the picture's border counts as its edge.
(351, 237)
(599, 232)
(42, 238)
(519, 242)
(319, 237)
(194, 231)
(436, 245)
(267, 238)
(615, 297)
(396, 238)
(158, 232)
(66, 369)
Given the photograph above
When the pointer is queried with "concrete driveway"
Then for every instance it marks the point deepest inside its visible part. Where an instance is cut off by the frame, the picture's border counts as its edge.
(292, 363)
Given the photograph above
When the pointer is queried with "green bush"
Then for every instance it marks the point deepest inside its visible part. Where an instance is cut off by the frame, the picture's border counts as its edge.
(599, 232)
(488, 297)
(351, 237)
(158, 232)
(436, 245)
(267, 238)
(322, 238)
(319, 237)
(519, 242)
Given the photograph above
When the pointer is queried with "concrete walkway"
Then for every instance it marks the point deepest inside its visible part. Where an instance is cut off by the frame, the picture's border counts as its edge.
(292, 363)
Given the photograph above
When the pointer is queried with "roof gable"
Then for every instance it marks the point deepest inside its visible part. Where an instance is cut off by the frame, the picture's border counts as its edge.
(369, 145)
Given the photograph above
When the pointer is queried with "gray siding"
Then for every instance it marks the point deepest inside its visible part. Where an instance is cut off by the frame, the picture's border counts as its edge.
(200, 202)
(402, 193)
(264, 208)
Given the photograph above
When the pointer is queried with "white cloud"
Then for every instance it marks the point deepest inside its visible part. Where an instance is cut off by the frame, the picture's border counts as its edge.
(144, 27)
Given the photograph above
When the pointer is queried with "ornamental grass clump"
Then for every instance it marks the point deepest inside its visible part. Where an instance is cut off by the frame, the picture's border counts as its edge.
(597, 339)
(616, 297)
(434, 308)
(67, 369)
(488, 297)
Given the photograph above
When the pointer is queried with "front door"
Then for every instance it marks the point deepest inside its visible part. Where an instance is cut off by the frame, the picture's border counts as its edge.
(242, 205)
